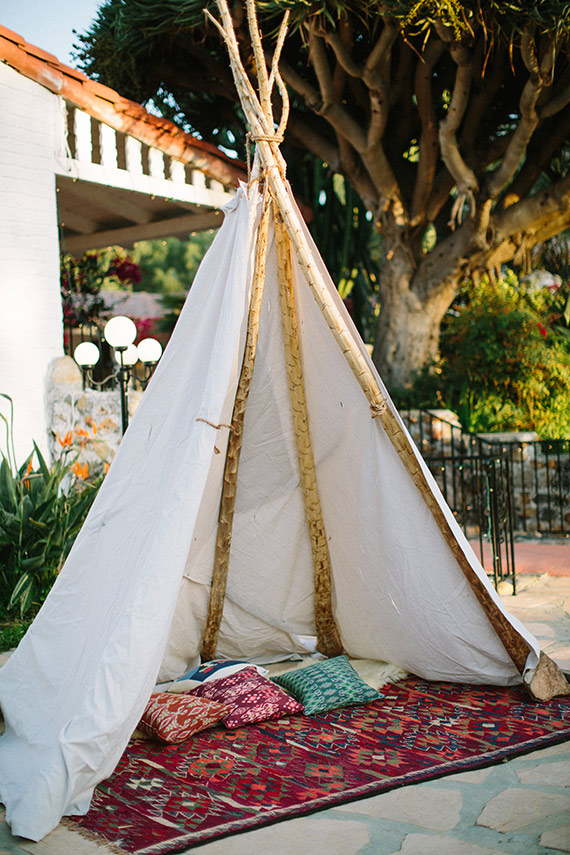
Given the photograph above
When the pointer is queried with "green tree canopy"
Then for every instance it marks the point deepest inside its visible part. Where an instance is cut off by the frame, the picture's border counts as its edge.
(449, 119)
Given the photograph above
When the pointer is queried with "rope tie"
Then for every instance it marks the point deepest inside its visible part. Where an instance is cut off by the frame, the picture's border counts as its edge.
(277, 138)
(378, 408)
(217, 427)
(255, 138)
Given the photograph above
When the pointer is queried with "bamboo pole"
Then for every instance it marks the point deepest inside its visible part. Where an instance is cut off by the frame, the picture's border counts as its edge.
(229, 487)
(274, 169)
(328, 639)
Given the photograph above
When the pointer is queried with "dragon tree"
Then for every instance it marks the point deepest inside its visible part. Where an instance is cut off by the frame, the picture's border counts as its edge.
(450, 119)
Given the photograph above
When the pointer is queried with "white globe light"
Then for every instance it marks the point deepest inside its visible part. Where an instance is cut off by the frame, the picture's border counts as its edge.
(86, 354)
(120, 331)
(130, 355)
(150, 350)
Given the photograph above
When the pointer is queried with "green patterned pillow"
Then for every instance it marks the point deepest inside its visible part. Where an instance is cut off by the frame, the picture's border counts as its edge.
(327, 685)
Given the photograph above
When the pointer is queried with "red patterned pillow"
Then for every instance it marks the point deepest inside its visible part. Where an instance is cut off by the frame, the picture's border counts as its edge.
(250, 696)
(173, 718)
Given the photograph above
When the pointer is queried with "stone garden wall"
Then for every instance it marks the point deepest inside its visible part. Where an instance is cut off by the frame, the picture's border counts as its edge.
(84, 423)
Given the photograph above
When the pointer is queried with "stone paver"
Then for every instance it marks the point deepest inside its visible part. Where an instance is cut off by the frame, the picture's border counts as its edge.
(311, 835)
(421, 844)
(515, 808)
(436, 809)
(547, 774)
(558, 838)
(561, 748)
(541, 630)
(475, 777)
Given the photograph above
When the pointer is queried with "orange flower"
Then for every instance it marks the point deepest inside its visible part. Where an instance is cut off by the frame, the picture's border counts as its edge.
(94, 426)
(80, 470)
(67, 439)
(25, 478)
(81, 431)
(106, 467)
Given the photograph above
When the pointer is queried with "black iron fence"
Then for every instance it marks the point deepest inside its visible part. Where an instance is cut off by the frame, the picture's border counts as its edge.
(540, 484)
(496, 486)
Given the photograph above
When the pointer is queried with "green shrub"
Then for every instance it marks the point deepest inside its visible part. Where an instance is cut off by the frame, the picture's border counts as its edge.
(12, 630)
(505, 360)
(42, 509)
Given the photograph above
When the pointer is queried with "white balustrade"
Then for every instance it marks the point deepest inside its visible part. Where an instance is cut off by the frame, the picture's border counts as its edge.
(177, 172)
(198, 179)
(108, 146)
(99, 156)
(82, 127)
(155, 163)
(133, 153)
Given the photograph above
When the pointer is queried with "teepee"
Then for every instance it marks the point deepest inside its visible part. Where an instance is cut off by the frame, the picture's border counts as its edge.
(265, 491)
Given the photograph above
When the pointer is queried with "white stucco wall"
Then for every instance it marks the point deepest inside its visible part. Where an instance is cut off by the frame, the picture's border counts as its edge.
(31, 325)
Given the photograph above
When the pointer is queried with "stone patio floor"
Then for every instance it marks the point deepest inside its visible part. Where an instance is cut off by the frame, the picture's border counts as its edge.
(519, 807)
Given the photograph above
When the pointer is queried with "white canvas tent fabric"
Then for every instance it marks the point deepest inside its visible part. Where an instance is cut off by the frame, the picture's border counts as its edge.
(130, 605)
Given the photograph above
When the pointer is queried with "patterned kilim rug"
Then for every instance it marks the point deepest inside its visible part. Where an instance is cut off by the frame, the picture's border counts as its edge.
(165, 799)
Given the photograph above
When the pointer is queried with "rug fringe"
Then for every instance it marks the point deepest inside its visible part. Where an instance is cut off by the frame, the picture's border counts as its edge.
(72, 824)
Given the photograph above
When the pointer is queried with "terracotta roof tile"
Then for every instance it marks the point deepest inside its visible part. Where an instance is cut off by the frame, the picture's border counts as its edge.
(12, 36)
(41, 54)
(73, 72)
(98, 89)
(106, 105)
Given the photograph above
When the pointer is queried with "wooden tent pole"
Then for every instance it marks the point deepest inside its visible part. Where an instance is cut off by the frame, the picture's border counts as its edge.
(516, 646)
(548, 675)
(328, 638)
(548, 680)
(229, 486)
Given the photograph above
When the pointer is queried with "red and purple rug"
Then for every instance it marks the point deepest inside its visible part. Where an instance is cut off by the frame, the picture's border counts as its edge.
(165, 799)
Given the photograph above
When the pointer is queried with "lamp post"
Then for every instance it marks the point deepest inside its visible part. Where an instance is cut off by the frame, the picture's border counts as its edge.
(120, 332)
(87, 356)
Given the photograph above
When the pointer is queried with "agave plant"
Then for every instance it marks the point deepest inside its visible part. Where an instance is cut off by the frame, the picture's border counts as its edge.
(42, 509)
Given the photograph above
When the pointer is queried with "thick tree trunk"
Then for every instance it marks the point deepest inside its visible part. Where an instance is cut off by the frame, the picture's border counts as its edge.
(407, 333)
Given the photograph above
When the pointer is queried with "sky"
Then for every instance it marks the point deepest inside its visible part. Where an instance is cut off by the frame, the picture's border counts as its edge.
(49, 25)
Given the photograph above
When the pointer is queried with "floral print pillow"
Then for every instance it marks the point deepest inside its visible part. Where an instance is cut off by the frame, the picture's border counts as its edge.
(250, 696)
(174, 718)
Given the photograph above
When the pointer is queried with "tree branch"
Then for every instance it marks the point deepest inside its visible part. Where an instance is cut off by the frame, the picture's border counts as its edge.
(402, 102)
(302, 87)
(309, 137)
(552, 136)
(529, 117)
(352, 168)
(464, 177)
(342, 54)
(428, 140)
(382, 47)
(382, 175)
(482, 100)
(329, 108)
(531, 221)
(369, 75)
(558, 101)
(535, 211)
(378, 117)
(403, 75)
(441, 188)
